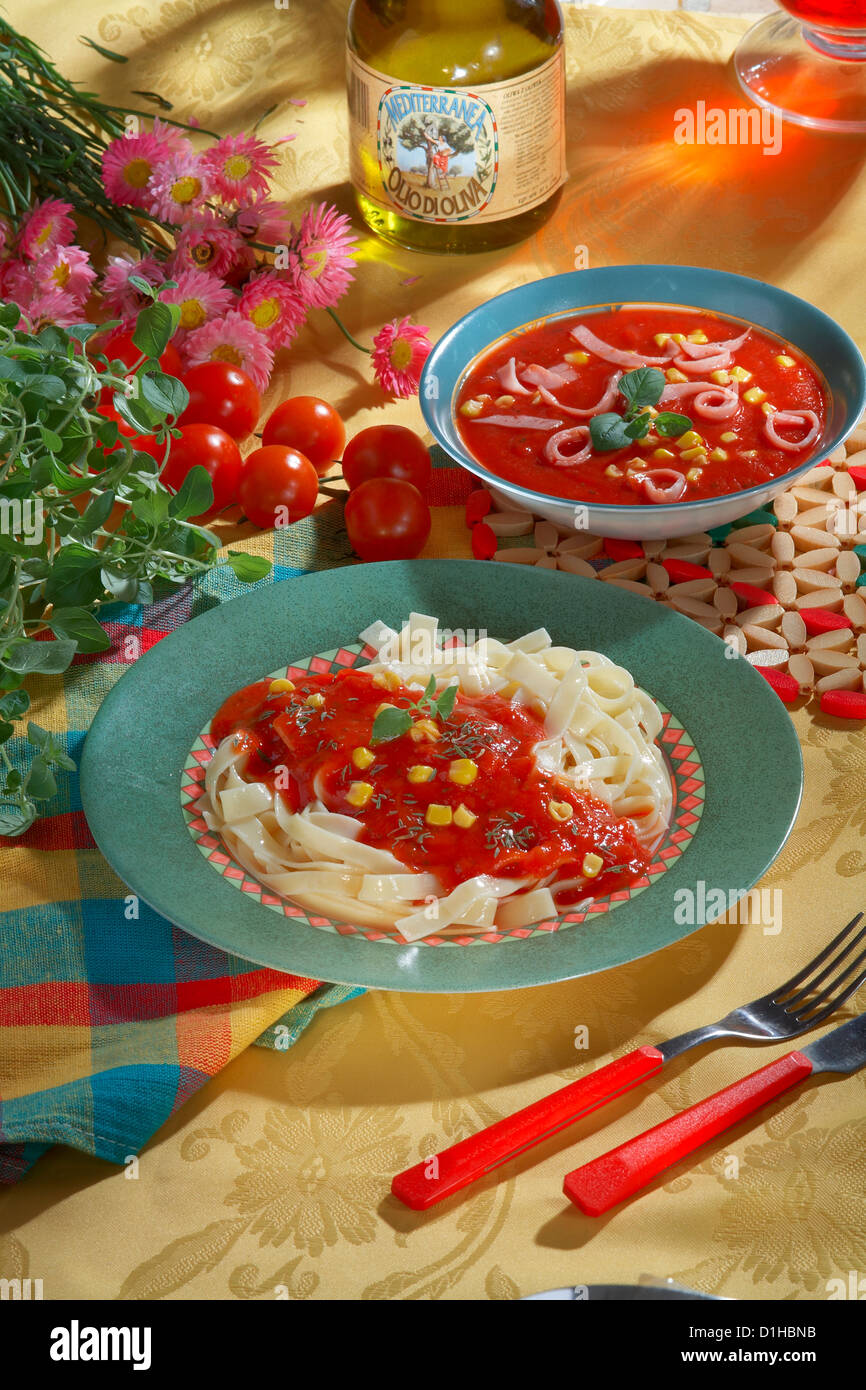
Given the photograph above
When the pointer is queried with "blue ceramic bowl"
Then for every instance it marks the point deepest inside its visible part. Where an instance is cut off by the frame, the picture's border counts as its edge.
(821, 339)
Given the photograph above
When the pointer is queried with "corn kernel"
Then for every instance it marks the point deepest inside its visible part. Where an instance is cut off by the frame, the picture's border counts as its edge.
(693, 475)
(464, 817)
(472, 408)
(388, 680)
(463, 771)
(754, 395)
(315, 701)
(729, 437)
(678, 337)
(359, 794)
(649, 441)
(438, 814)
(749, 454)
(784, 361)
(591, 865)
(424, 731)
(420, 772)
(674, 374)
(612, 471)
(690, 440)
(362, 758)
(504, 400)
(719, 455)
(741, 374)
(700, 452)
(579, 359)
(721, 378)
(768, 409)
(698, 336)
(380, 708)
(661, 338)
(280, 687)
(560, 810)
(663, 453)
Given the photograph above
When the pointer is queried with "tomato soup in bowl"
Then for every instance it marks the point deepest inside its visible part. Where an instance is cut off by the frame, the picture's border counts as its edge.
(645, 418)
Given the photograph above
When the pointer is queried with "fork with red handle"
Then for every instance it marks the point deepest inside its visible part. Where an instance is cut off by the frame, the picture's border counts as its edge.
(801, 1003)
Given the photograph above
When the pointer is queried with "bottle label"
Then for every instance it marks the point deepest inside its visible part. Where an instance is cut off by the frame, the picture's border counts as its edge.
(458, 154)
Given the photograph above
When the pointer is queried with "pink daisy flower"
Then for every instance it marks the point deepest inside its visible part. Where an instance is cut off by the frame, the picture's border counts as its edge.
(264, 221)
(47, 226)
(239, 167)
(233, 339)
(121, 298)
(49, 306)
(171, 138)
(69, 269)
(201, 297)
(400, 350)
(128, 165)
(206, 243)
(177, 189)
(320, 261)
(273, 307)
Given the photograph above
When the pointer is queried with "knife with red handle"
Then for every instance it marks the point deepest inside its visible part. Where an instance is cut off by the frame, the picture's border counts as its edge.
(437, 1177)
(602, 1183)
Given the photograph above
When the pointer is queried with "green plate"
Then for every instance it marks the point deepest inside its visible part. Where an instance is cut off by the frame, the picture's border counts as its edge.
(733, 754)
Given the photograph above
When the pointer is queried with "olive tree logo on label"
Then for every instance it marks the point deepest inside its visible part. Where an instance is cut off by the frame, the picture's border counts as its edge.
(438, 152)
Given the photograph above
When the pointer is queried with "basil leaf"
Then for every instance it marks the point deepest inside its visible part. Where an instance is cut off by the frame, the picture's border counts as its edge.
(74, 577)
(49, 657)
(154, 327)
(248, 568)
(15, 704)
(445, 703)
(50, 747)
(165, 393)
(642, 386)
(637, 428)
(14, 823)
(194, 496)
(52, 388)
(39, 782)
(98, 512)
(152, 509)
(390, 723)
(608, 432)
(81, 627)
(670, 425)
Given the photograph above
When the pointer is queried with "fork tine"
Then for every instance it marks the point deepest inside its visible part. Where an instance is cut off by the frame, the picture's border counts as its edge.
(828, 994)
(813, 964)
(811, 984)
(835, 1004)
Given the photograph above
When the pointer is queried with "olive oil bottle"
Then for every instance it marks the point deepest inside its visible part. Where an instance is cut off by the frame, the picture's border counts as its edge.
(456, 119)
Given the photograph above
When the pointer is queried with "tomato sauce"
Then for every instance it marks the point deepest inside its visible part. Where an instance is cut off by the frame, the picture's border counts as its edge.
(513, 833)
(517, 454)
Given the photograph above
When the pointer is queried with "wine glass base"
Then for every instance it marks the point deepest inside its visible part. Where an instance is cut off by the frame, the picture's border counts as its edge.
(811, 78)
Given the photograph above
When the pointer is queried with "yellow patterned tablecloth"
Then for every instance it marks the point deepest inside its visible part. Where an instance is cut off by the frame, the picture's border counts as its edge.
(275, 1177)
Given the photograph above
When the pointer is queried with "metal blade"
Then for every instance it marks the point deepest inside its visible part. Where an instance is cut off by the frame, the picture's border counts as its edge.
(842, 1050)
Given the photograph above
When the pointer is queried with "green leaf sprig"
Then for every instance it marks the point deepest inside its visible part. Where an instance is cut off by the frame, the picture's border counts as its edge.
(85, 519)
(642, 389)
(392, 722)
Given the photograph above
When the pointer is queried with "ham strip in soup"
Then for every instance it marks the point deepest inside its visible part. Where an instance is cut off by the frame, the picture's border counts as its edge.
(606, 402)
(618, 356)
(508, 379)
(578, 435)
(697, 350)
(791, 419)
(727, 398)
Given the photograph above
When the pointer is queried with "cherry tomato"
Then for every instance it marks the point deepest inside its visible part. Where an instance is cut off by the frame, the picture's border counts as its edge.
(223, 395)
(278, 486)
(213, 450)
(387, 519)
(309, 425)
(387, 451)
(120, 345)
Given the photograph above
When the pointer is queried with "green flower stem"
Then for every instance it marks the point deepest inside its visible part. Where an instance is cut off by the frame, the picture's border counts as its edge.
(345, 332)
